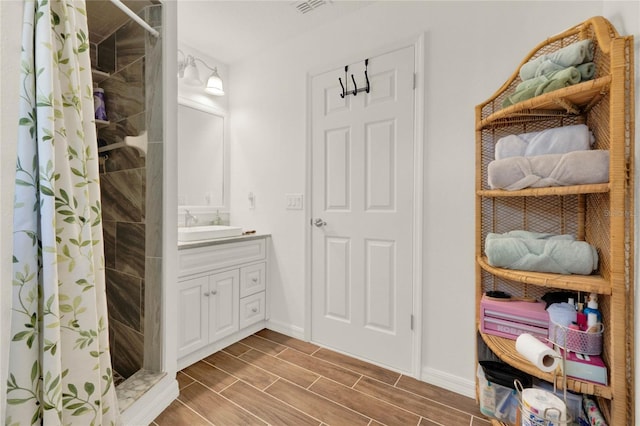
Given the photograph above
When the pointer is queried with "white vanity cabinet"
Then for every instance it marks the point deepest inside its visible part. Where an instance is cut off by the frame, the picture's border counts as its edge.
(222, 295)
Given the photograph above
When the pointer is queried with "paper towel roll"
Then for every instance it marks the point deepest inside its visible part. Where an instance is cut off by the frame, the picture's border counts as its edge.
(539, 354)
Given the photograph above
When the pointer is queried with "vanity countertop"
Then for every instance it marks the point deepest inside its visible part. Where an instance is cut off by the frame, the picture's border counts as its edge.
(183, 245)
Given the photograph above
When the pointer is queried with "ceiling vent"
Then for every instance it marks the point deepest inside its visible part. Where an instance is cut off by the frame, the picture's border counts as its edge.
(309, 5)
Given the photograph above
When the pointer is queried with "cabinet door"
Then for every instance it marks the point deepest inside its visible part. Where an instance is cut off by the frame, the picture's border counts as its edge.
(193, 317)
(252, 279)
(224, 298)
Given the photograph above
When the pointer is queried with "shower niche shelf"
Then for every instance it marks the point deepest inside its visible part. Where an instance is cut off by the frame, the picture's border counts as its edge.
(99, 76)
(101, 124)
(600, 214)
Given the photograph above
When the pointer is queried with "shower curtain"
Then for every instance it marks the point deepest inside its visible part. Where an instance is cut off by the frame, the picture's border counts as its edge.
(59, 363)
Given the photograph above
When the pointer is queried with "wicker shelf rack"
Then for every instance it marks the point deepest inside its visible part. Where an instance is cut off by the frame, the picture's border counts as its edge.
(602, 214)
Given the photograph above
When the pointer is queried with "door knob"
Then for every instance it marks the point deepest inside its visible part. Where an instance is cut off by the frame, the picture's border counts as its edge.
(319, 222)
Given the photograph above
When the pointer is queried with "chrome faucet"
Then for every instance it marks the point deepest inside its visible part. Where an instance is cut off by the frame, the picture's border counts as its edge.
(189, 219)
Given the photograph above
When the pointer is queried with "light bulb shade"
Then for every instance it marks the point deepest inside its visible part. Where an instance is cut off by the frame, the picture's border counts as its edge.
(214, 85)
(191, 75)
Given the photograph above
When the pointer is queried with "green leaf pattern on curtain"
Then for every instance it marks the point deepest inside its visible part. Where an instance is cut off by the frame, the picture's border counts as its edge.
(59, 362)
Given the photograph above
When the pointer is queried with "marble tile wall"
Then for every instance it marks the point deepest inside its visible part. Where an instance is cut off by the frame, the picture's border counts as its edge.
(123, 181)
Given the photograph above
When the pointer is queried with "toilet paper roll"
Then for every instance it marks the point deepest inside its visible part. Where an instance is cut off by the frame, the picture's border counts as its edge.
(536, 352)
(542, 407)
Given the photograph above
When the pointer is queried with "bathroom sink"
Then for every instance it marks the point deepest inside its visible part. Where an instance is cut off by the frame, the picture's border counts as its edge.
(195, 233)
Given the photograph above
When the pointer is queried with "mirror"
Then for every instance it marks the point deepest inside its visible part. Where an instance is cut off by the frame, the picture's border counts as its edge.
(203, 172)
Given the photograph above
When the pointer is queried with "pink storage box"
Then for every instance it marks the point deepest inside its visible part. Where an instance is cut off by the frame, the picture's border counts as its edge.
(510, 319)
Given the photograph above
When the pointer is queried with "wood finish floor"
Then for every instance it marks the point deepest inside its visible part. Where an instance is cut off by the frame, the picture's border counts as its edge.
(270, 378)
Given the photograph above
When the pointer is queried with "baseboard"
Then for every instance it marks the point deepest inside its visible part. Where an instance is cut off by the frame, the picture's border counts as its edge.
(152, 403)
(449, 381)
(287, 329)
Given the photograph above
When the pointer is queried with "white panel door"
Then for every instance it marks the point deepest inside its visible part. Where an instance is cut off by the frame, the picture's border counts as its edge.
(362, 200)
(193, 309)
(224, 300)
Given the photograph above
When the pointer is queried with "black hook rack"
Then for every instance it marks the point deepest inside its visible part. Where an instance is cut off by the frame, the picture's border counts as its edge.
(355, 90)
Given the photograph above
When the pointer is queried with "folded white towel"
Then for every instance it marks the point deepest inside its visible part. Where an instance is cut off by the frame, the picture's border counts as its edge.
(558, 140)
(572, 168)
(574, 54)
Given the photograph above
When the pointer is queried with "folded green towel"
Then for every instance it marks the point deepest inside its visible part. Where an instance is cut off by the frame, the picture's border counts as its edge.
(530, 251)
(543, 84)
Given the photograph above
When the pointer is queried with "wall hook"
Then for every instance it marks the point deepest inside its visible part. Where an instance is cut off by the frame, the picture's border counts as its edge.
(366, 76)
(355, 86)
(344, 90)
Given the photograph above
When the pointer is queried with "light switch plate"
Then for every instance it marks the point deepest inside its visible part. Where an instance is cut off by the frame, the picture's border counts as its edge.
(294, 201)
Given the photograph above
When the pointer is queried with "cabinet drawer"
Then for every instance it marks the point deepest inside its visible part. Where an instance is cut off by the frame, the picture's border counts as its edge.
(252, 309)
(252, 279)
(202, 259)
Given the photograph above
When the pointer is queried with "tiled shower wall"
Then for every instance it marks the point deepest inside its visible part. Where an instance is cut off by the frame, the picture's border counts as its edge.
(131, 211)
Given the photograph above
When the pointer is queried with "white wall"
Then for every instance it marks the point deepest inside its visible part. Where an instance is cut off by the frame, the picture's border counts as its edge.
(471, 49)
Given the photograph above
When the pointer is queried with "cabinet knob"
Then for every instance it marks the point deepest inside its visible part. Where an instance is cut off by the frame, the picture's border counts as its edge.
(254, 279)
(254, 310)
(214, 292)
(206, 293)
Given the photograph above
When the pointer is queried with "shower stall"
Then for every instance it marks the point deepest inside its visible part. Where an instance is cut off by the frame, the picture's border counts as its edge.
(127, 68)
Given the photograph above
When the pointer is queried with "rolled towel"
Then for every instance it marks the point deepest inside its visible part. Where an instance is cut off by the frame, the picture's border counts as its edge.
(572, 168)
(558, 140)
(545, 67)
(543, 84)
(587, 71)
(555, 255)
(573, 54)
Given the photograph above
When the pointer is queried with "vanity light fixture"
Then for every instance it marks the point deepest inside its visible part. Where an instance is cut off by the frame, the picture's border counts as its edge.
(188, 72)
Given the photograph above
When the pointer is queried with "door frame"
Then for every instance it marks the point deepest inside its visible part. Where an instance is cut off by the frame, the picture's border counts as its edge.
(418, 43)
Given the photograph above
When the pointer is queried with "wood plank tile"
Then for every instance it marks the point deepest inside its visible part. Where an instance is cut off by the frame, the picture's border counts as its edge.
(266, 407)
(440, 395)
(183, 380)
(209, 376)
(249, 373)
(237, 349)
(215, 408)
(179, 414)
(284, 369)
(362, 367)
(316, 406)
(365, 404)
(427, 422)
(323, 368)
(267, 346)
(427, 408)
(206, 388)
(306, 347)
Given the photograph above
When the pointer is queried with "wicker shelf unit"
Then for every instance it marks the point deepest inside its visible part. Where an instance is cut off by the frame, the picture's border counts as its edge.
(601, 214)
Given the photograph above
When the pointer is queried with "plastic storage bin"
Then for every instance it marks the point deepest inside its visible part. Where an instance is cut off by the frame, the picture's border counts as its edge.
(497, 401)
(574, 402)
